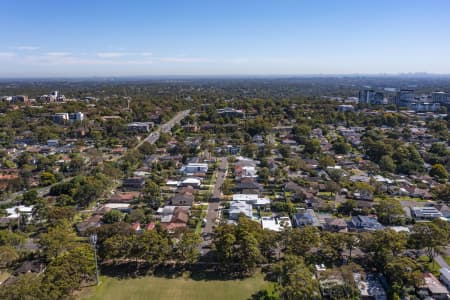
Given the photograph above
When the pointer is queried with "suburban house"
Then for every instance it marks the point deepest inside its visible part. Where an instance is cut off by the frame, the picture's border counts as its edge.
(180, 199)
(191, 181)
(425, 213)
(365, 223)
(92, 222)
(30, 266)
(306, 218)
(247, 187)
(432, 288)
(336, 225)
(231, 112)
(253, 199)
(276, 223)
(194, 168)
(140, 126)
(445, 211)
(240, 207)
(176, 220)
(370, 287)
(133, 183)
(124, 197)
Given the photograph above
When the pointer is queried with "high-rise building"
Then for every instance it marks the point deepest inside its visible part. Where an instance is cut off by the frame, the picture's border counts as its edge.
(440, 97)
(371, 97)
(404, 97)
(366, 96)
(378, 98)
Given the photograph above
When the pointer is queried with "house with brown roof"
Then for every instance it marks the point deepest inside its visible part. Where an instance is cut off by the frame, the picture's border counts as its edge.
(335, 225)
(178, 220)
(124, 197)
(92, 222)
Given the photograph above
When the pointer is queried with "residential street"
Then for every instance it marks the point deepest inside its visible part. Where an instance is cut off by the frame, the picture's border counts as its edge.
(442, 263)
(213, 206)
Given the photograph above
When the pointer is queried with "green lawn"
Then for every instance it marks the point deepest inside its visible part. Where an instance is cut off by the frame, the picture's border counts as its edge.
(158, 288)
(432, 266)
(4, 276)
(447, 259)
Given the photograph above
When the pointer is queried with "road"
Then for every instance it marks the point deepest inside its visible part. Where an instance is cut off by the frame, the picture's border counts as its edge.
(151, 138)
(441, 262)
(213, 206)
(165, 128)
(41, 192)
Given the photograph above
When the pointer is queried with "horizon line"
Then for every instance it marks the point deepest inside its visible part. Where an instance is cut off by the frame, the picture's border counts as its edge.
(206, 76)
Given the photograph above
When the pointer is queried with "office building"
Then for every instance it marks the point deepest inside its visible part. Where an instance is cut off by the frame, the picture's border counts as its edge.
(404, 97)
(440, 97)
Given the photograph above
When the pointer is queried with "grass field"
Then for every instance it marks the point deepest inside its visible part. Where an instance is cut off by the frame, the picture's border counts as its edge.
(158, 288)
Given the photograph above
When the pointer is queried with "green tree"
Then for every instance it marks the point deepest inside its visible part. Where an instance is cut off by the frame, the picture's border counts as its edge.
(264, 175)
(341, 147)
(294, 279)
(47, 178)
(301, 240)
(389, 211)
(442, 193)
(248, 253)
(112, 216)
(312, 146)
(430, 236)
(30, 197)
(439, 172)
(224, 240)
(27, 286)
(401, 273)
(57, 239)
(347, 207)
(157, 246)
(67, 271)
(387, 163)
(326, 161)
(188, 247)
(152, 194)
(8, 255)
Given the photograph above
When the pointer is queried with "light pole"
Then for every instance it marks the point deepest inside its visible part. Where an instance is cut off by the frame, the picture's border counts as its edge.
(93, 239)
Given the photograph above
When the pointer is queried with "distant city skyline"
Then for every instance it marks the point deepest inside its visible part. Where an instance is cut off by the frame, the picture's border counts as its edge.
(82, 38)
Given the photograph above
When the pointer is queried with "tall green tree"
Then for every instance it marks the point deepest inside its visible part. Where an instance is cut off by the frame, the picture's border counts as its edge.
(294, 279)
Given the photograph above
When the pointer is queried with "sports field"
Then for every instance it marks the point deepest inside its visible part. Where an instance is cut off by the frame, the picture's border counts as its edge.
(157, 288)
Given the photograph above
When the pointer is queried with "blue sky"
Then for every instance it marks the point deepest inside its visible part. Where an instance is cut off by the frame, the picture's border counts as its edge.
(212, 37)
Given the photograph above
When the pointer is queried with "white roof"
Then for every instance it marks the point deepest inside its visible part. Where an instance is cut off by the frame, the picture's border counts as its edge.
(117, 205)
(399, 228)
(172, 182)
(192, 180)
(380, 178)
(245, 197)
(197, 165)
(20, 208)
(275, 224)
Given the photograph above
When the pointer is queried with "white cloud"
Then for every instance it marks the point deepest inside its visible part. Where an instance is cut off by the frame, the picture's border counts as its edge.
(59, 54)
(69, 60)
(237, 61)
(186, 59)
(7, 54)
(146, 54)
(27, 48)
(111, 54)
